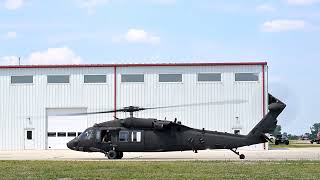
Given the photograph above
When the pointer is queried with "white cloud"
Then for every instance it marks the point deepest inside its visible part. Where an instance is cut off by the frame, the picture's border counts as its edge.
(9, 60)
(91, 5)
(8, 35)
(164, 2)
(265, 8)
(302, 2)
(13, 4)
(140, 36)
(281, 25)
(62, 55)
(11, 35)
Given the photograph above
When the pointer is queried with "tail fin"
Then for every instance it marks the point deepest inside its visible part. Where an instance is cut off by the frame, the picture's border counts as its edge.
(269, 121)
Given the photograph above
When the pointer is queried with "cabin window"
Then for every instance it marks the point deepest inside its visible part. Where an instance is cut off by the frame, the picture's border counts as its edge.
(132, 78)
(123, 136)
(205, 77)
(170, 77)
(95, 78)
(136, 136)
(247, 77)
(21, 79)
(58, 78)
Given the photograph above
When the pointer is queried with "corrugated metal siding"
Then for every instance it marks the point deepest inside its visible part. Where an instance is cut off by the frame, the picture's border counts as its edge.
(152, 93)
(22, 101)
(19, 102)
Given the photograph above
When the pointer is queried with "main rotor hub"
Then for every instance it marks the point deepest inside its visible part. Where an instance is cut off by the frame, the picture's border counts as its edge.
(131, 109)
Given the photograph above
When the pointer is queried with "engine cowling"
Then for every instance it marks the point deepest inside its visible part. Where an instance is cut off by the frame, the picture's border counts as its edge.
(144, 123)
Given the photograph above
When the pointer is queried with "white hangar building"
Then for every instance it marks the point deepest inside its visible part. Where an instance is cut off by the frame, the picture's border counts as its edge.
(33, 96)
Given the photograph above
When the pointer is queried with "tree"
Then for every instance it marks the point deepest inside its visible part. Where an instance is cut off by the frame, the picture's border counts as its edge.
(277, 131)
(293, 137)
(314, 130)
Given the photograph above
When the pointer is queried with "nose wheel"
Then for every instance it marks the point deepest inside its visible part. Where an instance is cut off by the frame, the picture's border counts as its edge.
(241, 156)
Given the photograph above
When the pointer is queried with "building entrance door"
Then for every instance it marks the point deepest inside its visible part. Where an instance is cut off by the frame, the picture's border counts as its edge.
(29, 139)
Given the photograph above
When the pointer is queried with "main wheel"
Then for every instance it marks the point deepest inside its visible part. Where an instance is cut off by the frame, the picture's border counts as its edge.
(242, 156)
(287, 142)
(112, 154)
(119, 155)
(276, 142)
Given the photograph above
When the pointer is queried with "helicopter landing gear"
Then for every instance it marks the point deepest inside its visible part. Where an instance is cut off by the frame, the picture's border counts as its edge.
(112, 154)
(119, 155)
(241, 156)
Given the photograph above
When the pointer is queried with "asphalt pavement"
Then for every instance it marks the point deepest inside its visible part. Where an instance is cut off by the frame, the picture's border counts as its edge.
(220, 155)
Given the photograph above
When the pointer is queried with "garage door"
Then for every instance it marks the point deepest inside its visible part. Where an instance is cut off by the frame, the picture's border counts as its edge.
(62, 128)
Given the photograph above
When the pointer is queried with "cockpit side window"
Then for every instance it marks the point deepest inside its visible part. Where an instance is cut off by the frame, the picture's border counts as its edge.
(88, 134)
(123, 136)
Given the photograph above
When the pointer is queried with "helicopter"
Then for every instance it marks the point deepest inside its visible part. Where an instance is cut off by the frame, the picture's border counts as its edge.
(133, 134)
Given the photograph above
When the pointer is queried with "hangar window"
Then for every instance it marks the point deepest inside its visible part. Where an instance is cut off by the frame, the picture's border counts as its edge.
(58, 78)
(136, 136)
(123, 136)
(237, 131)
(209, 77)
(132, 77)
(72, 134)
(21, 79)
(62, 134)
(170, 77)
(246, 76)
(29, 135)
(95, 78)
(52, 134)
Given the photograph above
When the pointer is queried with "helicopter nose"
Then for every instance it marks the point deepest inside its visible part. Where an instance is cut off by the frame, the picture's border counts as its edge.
(72, 144)
(69, 145)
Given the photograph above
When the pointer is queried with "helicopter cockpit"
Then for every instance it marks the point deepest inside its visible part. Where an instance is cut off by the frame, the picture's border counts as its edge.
(78, 143)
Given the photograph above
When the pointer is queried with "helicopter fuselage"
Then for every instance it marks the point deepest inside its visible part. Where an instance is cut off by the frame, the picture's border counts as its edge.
(160, 136)
(151, 135)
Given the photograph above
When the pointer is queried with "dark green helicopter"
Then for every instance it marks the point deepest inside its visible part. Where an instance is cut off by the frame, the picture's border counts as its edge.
(151, 135)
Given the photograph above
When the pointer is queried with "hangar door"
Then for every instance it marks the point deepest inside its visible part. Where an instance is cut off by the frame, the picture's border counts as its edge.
(63, 128)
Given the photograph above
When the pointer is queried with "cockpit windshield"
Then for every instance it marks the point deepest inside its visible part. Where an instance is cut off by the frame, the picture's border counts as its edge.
(87, 134)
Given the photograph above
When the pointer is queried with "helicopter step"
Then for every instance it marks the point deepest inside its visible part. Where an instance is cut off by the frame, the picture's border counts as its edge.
(241, 156)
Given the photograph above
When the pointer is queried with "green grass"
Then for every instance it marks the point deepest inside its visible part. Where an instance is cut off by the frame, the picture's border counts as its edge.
(159, 170)
(296, 144)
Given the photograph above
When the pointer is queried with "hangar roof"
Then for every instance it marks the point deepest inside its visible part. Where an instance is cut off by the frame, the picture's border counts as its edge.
(131, 65)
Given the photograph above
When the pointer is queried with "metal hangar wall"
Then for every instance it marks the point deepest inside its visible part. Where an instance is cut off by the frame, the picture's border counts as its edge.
(34, 98)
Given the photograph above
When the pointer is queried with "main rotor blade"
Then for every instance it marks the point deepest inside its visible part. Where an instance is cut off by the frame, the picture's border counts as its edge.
(201, 104)
(89, 113)
(135, 108)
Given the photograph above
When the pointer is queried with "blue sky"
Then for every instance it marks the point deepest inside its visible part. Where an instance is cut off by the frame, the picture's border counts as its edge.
(285, 33)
